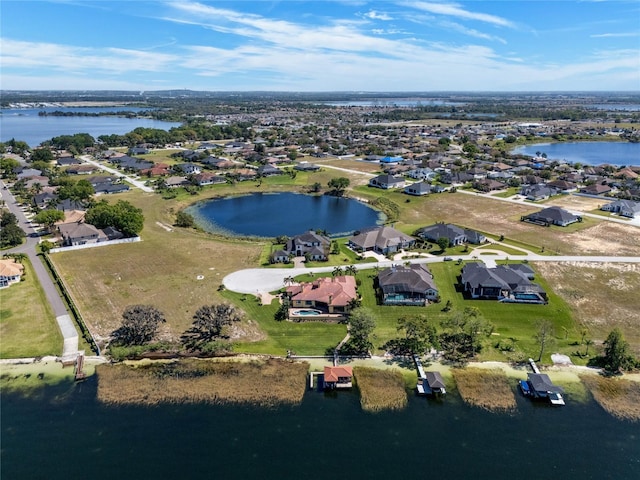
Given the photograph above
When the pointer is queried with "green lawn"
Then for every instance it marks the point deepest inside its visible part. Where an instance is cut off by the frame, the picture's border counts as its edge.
(306, 338)
(27, 324)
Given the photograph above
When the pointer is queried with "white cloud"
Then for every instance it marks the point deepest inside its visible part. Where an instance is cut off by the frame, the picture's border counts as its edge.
(455, 10)
(615, 35)
(373, 15)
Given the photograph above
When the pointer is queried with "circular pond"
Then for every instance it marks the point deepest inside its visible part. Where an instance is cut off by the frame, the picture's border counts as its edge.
(271, 215)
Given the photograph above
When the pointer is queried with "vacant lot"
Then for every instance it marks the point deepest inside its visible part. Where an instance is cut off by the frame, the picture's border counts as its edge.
(601, 296)
(27, 324)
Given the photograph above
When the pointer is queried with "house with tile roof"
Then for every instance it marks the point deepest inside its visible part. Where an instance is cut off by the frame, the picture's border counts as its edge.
(10, 272)
(339, 376)
(327, 294)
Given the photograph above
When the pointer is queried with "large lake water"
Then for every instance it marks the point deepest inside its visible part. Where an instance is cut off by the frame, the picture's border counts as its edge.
(25, 124)
(589, 153)
(271, 215)
(64, 433)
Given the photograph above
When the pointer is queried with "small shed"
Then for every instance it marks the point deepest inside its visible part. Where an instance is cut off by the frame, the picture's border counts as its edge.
(432, 383)
(338, 377)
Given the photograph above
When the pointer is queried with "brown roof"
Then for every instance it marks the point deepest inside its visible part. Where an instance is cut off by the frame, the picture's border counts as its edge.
(332, 374)
(10, 268)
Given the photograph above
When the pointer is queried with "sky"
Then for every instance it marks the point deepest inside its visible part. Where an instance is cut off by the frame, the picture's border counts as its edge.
(381, 46)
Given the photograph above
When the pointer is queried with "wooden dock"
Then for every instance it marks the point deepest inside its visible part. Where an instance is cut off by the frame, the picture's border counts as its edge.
(79, 367)
(533, 365)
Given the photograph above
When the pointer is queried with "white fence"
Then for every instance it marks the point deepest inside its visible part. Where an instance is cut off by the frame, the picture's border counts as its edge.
(94, 245)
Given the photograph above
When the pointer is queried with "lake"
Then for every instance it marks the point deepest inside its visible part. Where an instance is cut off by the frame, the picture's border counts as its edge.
(274, 214)
(25, 124)
(63, 432)
(589, 153)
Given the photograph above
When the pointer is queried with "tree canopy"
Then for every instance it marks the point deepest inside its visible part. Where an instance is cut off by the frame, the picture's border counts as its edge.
(338, 185)
(420, 335)
(209, 324)
(11, 234)
(122, 216)
(616, 352)
(361, 326)
(140, 325)
(48, 218)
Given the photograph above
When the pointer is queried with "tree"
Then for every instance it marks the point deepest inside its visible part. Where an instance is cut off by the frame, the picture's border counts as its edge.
(350, 270)
(361, 326)
(185, 220)
(616, 352)
(283, 311)
(338, 185)
(443, 243)
(11, 234)
(544, 335)
(209, 324)
(461, 338)
(7, 165)
(122, 216)
(337, 271)
(48, 218)
(420, 335)
(316, 187)
(140, 325)
(43, 154)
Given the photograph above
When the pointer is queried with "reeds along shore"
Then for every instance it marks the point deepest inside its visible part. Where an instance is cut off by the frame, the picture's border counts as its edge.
(619, 397)
(380, 389)
(487, 389)
(264, 383)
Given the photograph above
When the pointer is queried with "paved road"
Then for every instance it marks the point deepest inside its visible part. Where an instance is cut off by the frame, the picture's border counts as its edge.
(118, 173)
(29, 248)
(258, 280)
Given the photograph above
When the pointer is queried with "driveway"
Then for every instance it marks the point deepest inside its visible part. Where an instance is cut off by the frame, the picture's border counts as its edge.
(113, 171)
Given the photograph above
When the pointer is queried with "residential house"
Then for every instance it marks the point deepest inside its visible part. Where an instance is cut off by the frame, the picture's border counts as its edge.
(407, 285)
(82, 169)
(507, 283)
(387, 181)
(595, 189)
(382, 240)
(552, 216)
(333, 295)
(208, 178)
(306, 167)
(10, 272)
(488, 185)
(79, 233)
(68, 161)
(563, 186)
(310, 244)
(456, 235)
(422, 174)
(268, 170)
(418, 189)
(176, 182)
(187, 168)
(624, 208)
(138, 150)
(537, 192)
(338, 377)
(109, 187)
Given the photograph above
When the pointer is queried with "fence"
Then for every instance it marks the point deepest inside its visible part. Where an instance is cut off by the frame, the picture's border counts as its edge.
(94, 245)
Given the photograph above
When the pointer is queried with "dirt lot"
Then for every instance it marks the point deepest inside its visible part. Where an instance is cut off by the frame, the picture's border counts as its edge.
(602, 296)
(573, 202)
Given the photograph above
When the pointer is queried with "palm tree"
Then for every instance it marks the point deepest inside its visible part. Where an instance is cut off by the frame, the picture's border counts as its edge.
(350, 270)
(588, 342)
(337, 271)
(289, 280)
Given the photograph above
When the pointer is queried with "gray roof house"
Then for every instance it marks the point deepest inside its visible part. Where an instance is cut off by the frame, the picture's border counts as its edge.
(552, 216)
(624, 208)
(80, 234)
(410, 285)
(387, 181)
(537, 192)
(418, 188)
(456, 235)
(309, 244)
(506, 283)
(382, 240)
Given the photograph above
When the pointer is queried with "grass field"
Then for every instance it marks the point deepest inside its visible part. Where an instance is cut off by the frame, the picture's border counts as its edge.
(619, 397)
(487, 389)
(380, 389)
(28, 326)
(601, 297)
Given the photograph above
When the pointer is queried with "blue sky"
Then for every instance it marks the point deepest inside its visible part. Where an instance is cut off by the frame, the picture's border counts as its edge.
(345, 45)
